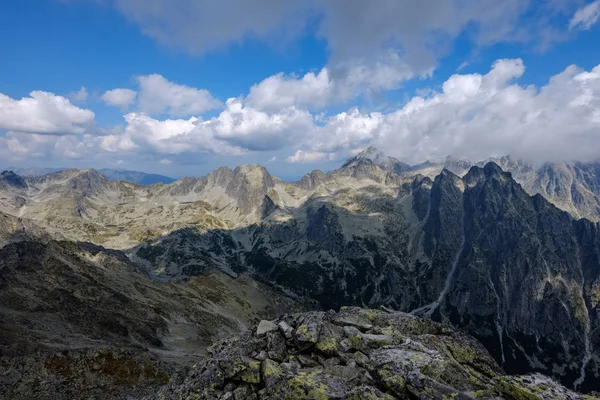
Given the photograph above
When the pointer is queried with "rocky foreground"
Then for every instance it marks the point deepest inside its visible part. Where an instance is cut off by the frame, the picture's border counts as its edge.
(355, 354)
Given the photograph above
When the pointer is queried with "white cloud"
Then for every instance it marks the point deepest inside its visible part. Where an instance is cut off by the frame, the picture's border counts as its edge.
(121, 98)
(158, 95)
(80, 95)
(586, 16)
(236, 130)
(19, 146)
(167, 137)
(335, 85)
(165, 161)
(472, 115)
(309, 157)
(252, 129)
(478, 116)
(116, 143)
(43, 113)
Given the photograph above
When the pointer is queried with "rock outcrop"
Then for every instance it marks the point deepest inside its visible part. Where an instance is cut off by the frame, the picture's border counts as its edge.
(355, 354)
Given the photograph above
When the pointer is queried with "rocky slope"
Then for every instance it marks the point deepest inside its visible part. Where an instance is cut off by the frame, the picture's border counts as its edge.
(571, 186)
(80, 321)
(477, 252)
(355, 354)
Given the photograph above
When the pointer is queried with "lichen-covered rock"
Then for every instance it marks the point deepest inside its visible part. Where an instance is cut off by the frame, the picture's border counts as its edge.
(357, 354)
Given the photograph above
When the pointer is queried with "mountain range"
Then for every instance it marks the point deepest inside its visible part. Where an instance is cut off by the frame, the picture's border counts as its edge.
(141, 178)
(502, 249)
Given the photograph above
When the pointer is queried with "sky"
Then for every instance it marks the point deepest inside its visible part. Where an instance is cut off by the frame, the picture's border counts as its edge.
(181, 87)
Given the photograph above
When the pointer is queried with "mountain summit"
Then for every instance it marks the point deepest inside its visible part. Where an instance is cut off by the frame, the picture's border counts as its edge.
(377, 157)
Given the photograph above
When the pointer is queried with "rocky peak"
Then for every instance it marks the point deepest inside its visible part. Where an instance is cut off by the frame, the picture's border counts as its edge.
(457, 165)
(88, 181)
(490, 170)
(508, 163)
(355, 354)
(12, 179)
(311, 180)
(254, 175)
(220, 176)
(373, 156)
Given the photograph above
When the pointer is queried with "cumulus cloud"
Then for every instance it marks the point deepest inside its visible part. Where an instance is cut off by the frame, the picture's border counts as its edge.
(236, 130)
(586, 16)
(80, 95)
(121, 98)
(335, 85)
(471, 115)
(43, 113)
(158, 95)
(19, 146)
(252, 129)
(481, 115)
(309, 157)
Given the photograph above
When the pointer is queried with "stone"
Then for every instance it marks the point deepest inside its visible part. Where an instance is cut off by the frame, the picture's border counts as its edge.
(265, 327)
(345, 318)
(276, 346)
(448, 365)
(285, 329)
(270, 372)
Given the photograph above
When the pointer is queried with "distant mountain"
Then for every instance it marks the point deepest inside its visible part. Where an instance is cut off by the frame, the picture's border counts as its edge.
(141, 178)
(33, 171)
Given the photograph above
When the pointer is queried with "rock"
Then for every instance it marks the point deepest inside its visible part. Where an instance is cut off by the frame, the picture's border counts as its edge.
(265, 327)
(308, 330)
(261, 356)
(368, 392)
(285, 329)
(448, 365)
(346, 318)
(251, 374)
(243, 392)
(276, 346)
(307, 361)
(270, 372)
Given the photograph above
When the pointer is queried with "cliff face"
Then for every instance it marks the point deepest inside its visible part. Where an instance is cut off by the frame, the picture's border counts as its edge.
(477, 252)
(355, 354)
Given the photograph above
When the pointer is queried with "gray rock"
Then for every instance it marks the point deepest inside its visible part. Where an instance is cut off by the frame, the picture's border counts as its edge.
(265, 327)
(447, 365)
(286, 330)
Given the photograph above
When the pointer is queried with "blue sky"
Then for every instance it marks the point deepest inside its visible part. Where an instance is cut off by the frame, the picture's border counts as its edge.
(202, 84)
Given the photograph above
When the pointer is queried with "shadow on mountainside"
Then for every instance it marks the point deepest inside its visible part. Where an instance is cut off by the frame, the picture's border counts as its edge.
(477, 252)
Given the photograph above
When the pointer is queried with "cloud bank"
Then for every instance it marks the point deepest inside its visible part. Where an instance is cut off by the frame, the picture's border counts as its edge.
(472, 115)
